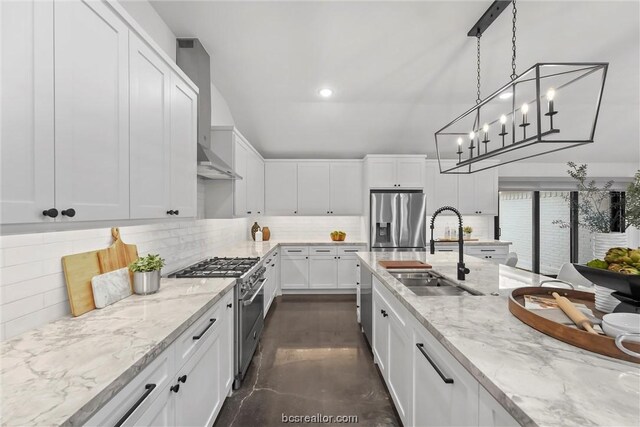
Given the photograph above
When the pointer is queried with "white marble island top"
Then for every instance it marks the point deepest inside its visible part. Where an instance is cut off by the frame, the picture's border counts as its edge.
(65, 371)
(539, 380)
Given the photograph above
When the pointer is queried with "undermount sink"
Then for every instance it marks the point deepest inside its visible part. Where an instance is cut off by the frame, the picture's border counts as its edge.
(429, 284)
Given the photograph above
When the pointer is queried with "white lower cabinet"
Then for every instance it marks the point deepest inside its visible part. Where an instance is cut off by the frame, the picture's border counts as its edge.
(428, 386)
(173, 390)
(330, 267)
(271, 285)
(495, 253)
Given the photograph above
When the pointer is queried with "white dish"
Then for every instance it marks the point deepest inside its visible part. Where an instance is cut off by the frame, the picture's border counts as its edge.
(628, 322)
(614, 332)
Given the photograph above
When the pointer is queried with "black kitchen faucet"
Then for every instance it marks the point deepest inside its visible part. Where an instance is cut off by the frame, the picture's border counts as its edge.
(462, 270)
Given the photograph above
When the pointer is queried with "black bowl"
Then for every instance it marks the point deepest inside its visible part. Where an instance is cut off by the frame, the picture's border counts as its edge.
(625, 284)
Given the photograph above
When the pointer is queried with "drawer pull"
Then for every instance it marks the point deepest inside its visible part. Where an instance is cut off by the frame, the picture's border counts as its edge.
(445, 250)
(182, 379)
(351, 250)
(293, 250)
(211, 322)
(487, 250)
(149, 388)
(323, 250)
(447, 380)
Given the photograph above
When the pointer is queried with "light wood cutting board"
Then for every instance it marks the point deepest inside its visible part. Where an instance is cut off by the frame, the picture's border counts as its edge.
(118, 255)
(79, 269)
(403, 264)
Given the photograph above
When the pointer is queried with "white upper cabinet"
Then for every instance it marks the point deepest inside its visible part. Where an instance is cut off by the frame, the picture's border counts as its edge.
(91, 111)
(240, 185)
(478, 192)
(184, 122)
(346, 188)
(26, 122)
(255, 183)
(396, 171)
(281, 188)
(442, 189)
(150, 144)
(314, 188)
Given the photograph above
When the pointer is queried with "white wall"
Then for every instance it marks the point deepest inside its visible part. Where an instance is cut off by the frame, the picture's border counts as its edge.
(220, 113)
(32, 285)
(152, 23)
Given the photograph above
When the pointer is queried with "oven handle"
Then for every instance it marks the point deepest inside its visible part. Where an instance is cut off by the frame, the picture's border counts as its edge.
(255, 294)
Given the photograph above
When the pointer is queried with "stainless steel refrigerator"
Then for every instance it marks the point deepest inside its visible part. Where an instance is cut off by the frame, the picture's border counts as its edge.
(398, 221)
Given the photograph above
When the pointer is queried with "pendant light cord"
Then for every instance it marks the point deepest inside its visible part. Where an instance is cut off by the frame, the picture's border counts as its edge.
(513, 43)
(478, 100)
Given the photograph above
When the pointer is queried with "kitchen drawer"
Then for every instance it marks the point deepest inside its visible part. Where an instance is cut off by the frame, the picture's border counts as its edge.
(322, 250)
(187, 343)
(150, 383)
(295, 250)
(481, 251)
(350, 250)
(448, 248)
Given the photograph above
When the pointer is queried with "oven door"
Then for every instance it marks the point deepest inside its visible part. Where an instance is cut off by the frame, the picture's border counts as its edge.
(252, 323)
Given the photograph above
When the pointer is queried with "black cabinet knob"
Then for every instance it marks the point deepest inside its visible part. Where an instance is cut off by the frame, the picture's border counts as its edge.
(175, 388)
(306, 257)
(295, 212)
(331, 211)
(177, 212)
(249, 212)
(171, 212)
(69, 212)
(327, 211)
(182, 379)
(51, 213)
(229, 305)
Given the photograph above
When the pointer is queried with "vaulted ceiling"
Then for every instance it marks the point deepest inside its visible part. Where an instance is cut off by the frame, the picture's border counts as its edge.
(400, 70)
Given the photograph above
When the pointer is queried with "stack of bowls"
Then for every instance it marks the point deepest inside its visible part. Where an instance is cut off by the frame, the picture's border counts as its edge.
(604, 301)
(615, 324)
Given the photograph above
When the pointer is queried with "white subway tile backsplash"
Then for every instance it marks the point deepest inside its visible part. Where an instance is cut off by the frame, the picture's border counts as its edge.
(35, 319)
(21, 307)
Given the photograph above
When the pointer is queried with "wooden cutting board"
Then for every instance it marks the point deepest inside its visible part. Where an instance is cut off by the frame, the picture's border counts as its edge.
(404, 264)
(118, 255)
(79, 269)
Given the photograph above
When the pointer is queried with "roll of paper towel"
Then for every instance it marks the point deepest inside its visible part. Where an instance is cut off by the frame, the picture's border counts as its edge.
(258, 236)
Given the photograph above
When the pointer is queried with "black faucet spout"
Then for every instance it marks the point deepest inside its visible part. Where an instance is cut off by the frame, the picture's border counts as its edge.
(462, 270)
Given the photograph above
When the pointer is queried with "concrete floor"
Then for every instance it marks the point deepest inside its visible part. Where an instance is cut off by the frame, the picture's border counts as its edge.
(312, 359)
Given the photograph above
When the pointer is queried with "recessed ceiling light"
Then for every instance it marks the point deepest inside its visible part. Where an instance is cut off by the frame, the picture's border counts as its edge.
(325, 92)
(506, 95)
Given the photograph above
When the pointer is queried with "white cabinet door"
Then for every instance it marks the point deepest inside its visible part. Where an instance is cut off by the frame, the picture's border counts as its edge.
(380, 331)
(399, 365)
(294, 272)
(491, 413)
(323, 272)
(184, 127)
(381, 172)
(410, 172)
(198, 398)
(26, 122)
(281, 188)
(226, 346)
(240, 186)
(467, 200)
(347, 272)
(486, 191)
(448, 398)
(346, 188)
(255, 184)
(443, 188)
(150, 145)
(313, 188)
(91, 111)
(161, 413)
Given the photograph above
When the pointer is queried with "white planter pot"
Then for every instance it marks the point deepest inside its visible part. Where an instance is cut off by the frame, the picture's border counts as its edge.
(602, 242)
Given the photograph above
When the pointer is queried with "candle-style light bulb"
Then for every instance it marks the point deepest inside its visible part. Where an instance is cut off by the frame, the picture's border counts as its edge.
(459, 152)
(503, 119)
(485, 128)
(459, 141)
(485, 141)
(524, 109)
(472, 135)
(503, 127)
(551, 93)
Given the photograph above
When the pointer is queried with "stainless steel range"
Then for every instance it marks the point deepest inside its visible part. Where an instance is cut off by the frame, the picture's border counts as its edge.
(249, 307)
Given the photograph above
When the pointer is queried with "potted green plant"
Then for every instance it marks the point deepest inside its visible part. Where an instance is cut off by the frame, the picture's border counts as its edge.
(632, 206)
(594, 211)
(146, 274)
(467, 232)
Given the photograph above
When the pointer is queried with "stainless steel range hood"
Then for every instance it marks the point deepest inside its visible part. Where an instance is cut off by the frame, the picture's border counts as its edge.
(192, 57)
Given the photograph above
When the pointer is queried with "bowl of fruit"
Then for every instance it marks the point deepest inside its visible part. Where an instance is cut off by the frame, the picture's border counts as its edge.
(338, 236)
(619, 270)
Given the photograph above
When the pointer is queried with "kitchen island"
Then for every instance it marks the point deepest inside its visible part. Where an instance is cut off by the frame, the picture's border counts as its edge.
(538, 380)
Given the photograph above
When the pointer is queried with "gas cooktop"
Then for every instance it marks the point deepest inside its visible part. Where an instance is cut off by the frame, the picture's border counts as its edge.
(218, 267)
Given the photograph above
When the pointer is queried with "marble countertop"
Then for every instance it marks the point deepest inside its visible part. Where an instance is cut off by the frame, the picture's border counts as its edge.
(537, 379)
(65, 371)
(476, 243)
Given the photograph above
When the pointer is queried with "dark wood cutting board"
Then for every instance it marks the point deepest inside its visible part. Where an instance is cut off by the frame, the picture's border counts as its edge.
(403, 264)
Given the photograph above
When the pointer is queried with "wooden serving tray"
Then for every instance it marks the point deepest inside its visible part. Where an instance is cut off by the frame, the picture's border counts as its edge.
(403, 264)
(601, 344)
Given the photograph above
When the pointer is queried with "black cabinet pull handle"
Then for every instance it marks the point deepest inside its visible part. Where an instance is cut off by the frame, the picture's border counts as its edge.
(69, 212)
(175, 388)
(249, 212)
(446, 379)
(148, 389)
(171, 212)
(384, 313)
(211, 322)
(182, 379)
(51, 213)
(273, 265)
(229, 305)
